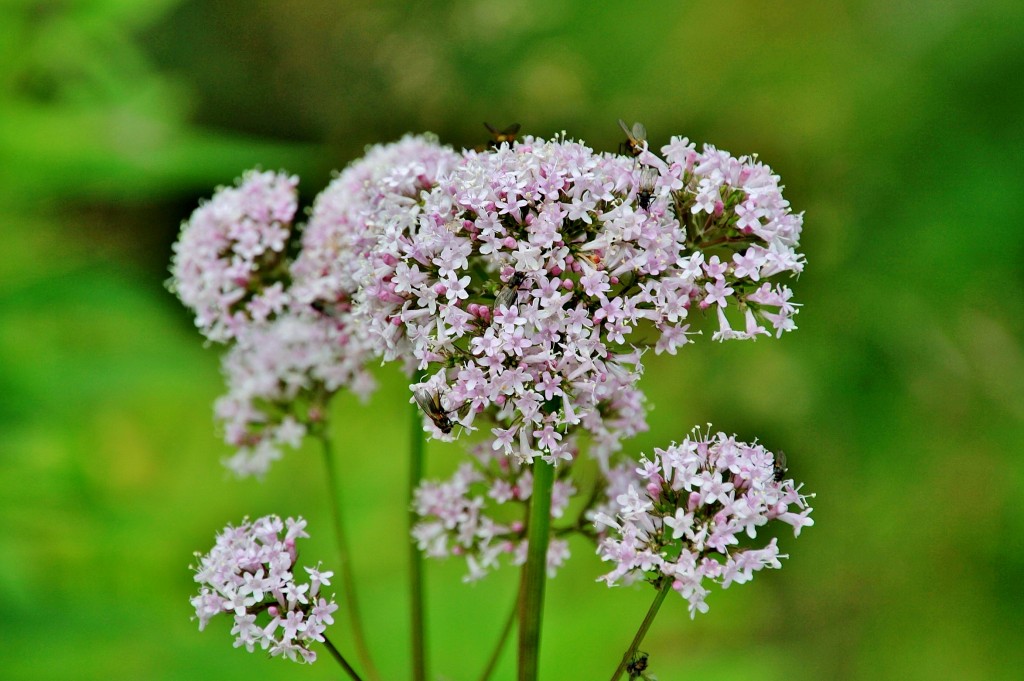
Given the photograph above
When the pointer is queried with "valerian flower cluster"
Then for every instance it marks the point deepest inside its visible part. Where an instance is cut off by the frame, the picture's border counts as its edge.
(691, 508)
(460, 516)
(250, 574)
(519, 288)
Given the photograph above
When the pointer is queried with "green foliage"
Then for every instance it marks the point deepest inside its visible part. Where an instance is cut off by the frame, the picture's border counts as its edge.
(900, 400)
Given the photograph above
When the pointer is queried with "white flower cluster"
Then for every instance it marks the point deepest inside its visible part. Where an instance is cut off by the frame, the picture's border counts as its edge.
(479, 514)
(530, 279)
(740, 231)
(691, 512)
(279, 377)
(249, 573)
(229, 262)
(293, 338)
(527, 281)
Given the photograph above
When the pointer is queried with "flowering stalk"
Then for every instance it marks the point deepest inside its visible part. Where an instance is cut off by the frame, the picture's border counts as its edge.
(531, 599)
(345, 563)
(419, 654)
(340, 659)
(652, 612)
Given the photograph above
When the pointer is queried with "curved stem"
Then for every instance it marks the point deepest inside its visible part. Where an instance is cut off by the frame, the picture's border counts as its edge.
(492, 662)
(348, 585)
(340, 659)
(652, 612)
(531, 600)
(419, 652)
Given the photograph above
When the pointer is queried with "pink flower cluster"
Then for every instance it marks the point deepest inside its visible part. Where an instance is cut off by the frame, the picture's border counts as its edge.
(531, 278)
(280, 376)
(229, 263)
(740, 231)
(527, 280)
(350, 216)
(691, 511)
(294, 337)
(479, 513)
(249, 573)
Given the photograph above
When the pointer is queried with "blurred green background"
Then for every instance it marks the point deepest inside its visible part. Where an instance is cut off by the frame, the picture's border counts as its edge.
(896, 125)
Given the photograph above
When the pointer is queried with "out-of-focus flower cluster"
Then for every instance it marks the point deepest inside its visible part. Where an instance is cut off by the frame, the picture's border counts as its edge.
(479, 513)
(691, 513)
(294, 340)
(352, 214)
(280, 376)
(250, 574)
(229, 265)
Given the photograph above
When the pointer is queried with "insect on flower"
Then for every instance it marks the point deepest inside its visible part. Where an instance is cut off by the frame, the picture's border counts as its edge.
(430, 403)
(636, 138)
(779, 468)
(637, 666)
(646, 185)
(509, 293)
(500, 136)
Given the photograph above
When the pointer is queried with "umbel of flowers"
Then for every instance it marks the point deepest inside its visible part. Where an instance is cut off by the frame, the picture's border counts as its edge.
(250, 574)
(522, 286)
(532, 278)
(685, 514)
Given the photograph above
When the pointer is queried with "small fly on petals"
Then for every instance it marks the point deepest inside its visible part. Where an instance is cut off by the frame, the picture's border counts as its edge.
(646, 186)
(509, 293)
(430, 402)
(779, 468)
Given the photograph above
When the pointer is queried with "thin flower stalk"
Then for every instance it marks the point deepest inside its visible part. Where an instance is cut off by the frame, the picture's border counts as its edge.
(348, 585)
(340, 659)
(652, 612)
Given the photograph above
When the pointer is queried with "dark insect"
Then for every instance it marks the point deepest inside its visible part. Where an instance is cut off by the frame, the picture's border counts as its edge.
(779, 468)
(500, 136)
(637, 666)
(636, 138)
(430, 403)
(509, 293)
(646, 185)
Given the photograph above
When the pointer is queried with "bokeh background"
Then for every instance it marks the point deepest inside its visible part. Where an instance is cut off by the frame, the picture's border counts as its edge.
(895, 124)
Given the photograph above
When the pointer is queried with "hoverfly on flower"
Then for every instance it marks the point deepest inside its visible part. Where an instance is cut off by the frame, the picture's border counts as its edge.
(636, 138)
(498, 137)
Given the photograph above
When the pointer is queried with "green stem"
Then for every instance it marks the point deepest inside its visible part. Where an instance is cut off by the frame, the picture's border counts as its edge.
(502, 639)
(419, 653)
(652, 612)
(348, 584)
(531, 600)
(340, 659)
